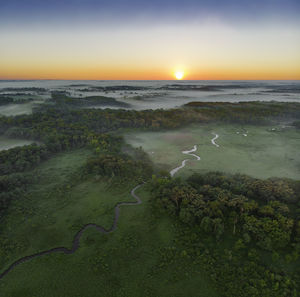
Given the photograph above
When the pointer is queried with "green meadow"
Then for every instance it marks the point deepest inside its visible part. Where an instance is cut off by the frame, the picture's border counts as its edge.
(156, 250)
(128, 262)
(266, 151)
(55, 207)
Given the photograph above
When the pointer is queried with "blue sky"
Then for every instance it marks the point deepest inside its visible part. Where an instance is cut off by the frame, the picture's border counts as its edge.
(27, 11)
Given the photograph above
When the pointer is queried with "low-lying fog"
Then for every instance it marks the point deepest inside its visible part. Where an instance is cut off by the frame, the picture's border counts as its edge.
(150, 94)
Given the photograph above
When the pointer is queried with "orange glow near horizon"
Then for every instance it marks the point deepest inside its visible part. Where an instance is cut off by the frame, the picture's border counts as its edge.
(224, 53)
(219, 52)
(86, 71)
(112, 73)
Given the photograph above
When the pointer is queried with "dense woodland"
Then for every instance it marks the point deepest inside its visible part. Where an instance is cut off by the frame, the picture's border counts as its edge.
(246, 221)
(247, 112)
(227, 223)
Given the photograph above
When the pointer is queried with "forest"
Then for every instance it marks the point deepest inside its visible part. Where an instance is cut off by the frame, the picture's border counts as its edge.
(248, 219)
(243, 231)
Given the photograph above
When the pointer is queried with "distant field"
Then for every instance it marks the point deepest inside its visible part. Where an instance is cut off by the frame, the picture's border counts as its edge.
(7, 143)
(262, 153)
(16, 109)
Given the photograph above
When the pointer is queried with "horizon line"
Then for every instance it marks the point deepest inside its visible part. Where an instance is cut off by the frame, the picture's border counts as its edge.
(181, 80)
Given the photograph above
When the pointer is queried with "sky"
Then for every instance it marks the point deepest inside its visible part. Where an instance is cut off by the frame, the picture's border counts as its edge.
(105, 39)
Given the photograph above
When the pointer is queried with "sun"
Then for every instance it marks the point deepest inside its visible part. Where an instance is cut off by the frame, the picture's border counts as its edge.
(179, 74)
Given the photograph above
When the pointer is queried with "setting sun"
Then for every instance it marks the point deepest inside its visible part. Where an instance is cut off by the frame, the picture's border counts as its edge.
(179, 75)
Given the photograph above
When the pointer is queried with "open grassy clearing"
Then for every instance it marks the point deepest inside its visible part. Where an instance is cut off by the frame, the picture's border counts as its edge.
(128, 262)
(7, 143)
(262, 153)
(54, 210)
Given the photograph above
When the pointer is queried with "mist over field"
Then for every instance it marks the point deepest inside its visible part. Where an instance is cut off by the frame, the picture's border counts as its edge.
(141, 95)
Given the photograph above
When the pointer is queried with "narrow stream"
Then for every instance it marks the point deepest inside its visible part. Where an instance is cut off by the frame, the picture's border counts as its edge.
(77, 237)
(173, 171)
(215, 138)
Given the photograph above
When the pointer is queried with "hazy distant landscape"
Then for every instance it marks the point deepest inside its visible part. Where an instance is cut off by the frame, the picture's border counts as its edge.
(141, 95)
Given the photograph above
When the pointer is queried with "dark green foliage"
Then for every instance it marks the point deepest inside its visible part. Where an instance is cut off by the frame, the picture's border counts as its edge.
(19, 159)
(264, 190)
(215, 200)
(109, 161)
(247, 112)
(62, 100)
(243, 223)
(78, 122)
(118, 165)
(12, 187)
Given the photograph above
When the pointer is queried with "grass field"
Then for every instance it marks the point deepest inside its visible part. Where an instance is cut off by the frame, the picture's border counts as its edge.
(128, 262)
(262, 153)
(143, 257)
(7, 143)
(54, 211)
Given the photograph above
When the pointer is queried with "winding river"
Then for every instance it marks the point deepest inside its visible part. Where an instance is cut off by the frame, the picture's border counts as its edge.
(77, 237)
(173, 171)
(215, 138)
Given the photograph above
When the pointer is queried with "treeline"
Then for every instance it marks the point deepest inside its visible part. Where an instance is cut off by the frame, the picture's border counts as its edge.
(51, 121)
(244, 217)
(113, 158)
(247, 112)
(63, 100)
(78, 122)
(23, 158)
(121, 166)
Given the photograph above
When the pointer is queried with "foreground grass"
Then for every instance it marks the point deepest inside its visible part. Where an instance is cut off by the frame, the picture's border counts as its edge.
(54, 209)
(263, 153)
(129, 262)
